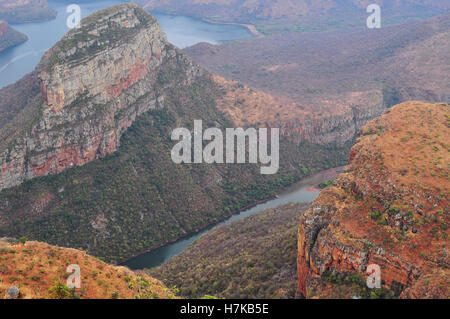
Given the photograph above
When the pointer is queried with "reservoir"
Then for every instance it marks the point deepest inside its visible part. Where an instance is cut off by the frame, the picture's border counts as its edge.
(302, 191)
(182, 31)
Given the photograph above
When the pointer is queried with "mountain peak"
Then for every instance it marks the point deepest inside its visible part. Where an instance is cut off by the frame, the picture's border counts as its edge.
(87, 90)
(102, 30)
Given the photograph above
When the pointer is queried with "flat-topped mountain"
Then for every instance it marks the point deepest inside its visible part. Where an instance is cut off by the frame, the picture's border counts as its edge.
(391, 209)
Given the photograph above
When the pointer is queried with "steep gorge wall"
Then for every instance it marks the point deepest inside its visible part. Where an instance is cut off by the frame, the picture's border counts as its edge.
(390, 209)
(94, 83)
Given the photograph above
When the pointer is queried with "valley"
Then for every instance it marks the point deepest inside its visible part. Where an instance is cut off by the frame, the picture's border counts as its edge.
(93, 171)
(275, 17)
(105, 160)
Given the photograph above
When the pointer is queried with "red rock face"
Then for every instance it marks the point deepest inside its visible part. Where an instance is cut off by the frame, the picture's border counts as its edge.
(64, 158)
(138, 71)
(89, 103)
(389, 209)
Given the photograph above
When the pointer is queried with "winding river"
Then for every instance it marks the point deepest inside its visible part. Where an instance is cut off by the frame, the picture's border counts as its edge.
(182, 31)
(302, 191)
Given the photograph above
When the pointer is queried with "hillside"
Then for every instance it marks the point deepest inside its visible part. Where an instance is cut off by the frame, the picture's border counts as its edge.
(90, 164)
(20, 11)
(391, 208)
(271, 16)
(321, 70)
(10, 37)
(36, 269)
(251, 258)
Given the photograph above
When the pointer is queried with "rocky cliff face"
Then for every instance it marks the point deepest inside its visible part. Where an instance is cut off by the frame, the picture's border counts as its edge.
(9, 37)
(326, 122)
(93, 85)
(390, 209)
(93, 122)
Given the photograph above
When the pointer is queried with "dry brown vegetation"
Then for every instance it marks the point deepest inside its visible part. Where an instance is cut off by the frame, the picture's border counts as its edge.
(36, 267)
(391, 208)
(407, 62)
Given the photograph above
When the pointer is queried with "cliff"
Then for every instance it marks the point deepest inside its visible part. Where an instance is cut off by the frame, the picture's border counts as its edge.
(325, 122)
(38, 270)
(390, 209)
(21, 11)
(93, 85)
(10, 37)
(85, 143)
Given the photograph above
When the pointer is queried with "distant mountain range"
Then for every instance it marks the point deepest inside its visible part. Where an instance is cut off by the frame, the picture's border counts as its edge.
(20, 11)
(271, 16)
(323, 70)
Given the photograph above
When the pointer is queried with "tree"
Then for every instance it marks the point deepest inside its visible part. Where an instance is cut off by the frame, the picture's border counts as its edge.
(59, 290)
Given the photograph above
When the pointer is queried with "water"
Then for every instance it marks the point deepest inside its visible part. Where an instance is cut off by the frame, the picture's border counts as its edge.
(181, 31)
(298, 192)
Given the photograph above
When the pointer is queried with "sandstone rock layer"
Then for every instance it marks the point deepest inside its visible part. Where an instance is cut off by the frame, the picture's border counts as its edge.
(391, 208)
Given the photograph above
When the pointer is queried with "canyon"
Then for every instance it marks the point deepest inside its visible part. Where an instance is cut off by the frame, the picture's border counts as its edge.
(85, 142)
(85, 159)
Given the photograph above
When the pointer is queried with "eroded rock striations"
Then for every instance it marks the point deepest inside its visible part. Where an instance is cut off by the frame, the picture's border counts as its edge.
(85, 142)
(391, 208)
(93, 85)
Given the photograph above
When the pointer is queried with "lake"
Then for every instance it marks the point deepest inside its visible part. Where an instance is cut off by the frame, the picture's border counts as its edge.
(302, 191)
(181, 31)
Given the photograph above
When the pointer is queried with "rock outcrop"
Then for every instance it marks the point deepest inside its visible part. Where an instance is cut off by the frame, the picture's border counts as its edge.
(322, 123)
(10, 37)
(89, 131)
(93, 85)
(391, 209)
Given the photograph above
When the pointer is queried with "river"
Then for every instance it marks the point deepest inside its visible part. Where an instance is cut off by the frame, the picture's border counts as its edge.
(181, 31)
(302, 191)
